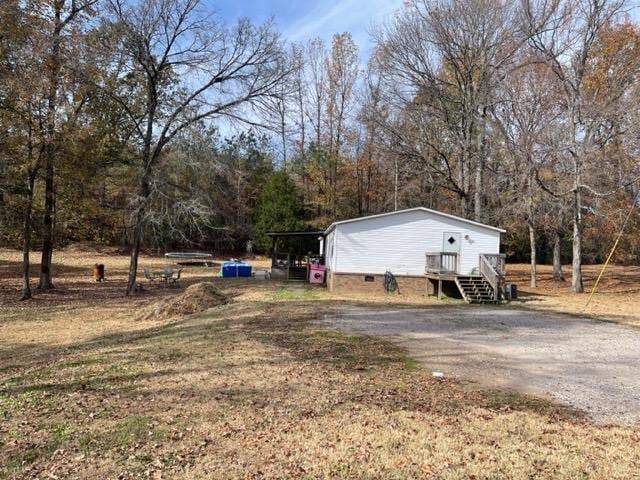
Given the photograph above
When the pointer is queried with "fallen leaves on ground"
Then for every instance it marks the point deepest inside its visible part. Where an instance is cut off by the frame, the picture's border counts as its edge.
(254, 389)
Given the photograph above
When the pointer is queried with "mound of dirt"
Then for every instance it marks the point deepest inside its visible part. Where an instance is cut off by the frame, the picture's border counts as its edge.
(196, 298)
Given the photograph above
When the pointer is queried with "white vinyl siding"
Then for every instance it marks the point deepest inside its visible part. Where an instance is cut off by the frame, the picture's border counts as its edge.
(330, 250)
(399, 242)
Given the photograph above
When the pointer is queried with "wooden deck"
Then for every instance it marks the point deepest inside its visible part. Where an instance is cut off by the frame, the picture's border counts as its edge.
(484, 286)
(448, 277)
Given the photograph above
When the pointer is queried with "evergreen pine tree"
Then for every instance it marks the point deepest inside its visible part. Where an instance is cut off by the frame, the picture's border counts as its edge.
(278, 208)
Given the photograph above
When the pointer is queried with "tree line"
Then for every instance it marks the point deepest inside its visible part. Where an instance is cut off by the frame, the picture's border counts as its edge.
(153, 123)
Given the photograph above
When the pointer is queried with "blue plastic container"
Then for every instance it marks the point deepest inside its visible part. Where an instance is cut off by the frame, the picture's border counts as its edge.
(236, 269)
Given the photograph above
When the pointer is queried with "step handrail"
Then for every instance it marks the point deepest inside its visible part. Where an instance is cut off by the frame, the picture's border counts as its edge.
(497, 261)
(491, 275)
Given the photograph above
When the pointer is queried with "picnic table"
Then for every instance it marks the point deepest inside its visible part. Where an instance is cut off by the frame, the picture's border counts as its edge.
(165, 276)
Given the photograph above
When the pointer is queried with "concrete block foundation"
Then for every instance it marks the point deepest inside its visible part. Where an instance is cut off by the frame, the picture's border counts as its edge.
(374, 283)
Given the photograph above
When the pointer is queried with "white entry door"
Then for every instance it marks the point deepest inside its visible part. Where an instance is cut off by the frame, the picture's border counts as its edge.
(451, 242)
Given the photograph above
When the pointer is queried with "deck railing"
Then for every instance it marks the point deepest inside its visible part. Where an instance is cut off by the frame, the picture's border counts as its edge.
(497, 261)
(492, 268)
(441, 262)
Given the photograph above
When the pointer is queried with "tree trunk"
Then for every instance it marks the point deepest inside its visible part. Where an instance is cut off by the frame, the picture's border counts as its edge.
(334, 181)
(303, 139)
(558, 276)
(576, 153)
(531, 223)
(395, 184)
(46, 282)
(576, 266)
(465, 181)
(53, 69)
(283, 139)
(359, 184)
(479, 180)
(137, 234)
(369, 195)
(148, 159)
(318, 120)
(477, 200)
(576, 262)
(532, 244)
(26, 239)
(135, 251)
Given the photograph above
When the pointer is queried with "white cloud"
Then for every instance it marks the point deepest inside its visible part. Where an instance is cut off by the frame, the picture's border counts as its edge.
(328, 17)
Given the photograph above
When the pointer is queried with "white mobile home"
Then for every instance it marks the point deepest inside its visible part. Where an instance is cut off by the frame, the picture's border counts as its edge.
(416, 245)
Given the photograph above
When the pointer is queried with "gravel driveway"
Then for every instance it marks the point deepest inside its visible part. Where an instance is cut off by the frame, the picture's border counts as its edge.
(590, 365)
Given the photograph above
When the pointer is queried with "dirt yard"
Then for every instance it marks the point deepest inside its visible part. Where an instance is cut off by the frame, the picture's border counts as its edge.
(254, 388)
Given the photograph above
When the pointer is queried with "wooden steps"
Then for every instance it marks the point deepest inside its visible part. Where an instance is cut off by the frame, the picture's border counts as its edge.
(483, 287)
(475, 289)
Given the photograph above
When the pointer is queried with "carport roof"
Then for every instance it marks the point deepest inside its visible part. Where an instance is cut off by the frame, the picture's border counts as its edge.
(296, 233)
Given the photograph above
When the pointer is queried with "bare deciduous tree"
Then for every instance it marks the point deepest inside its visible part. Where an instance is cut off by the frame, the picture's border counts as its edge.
(342, 72)
(446, 59)
(525, 114)
(564, 33)
(316, 56)
(170, 67)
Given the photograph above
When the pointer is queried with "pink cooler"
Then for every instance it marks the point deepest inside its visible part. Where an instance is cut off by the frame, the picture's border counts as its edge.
(316, 273)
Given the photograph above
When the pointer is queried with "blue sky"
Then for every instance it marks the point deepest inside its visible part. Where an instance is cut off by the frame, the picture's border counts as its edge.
(302, 20)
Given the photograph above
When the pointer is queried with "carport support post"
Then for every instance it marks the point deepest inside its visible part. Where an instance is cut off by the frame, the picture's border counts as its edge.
(439, 288)
(274, 250)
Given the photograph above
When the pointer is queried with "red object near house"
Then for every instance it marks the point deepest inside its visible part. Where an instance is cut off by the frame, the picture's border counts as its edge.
(316, 273)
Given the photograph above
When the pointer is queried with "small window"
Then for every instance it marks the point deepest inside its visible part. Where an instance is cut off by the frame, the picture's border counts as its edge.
(369, 278)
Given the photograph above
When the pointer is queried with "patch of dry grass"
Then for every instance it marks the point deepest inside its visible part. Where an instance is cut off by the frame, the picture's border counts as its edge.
(250, 390)
(253, 389)
(92, 308)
